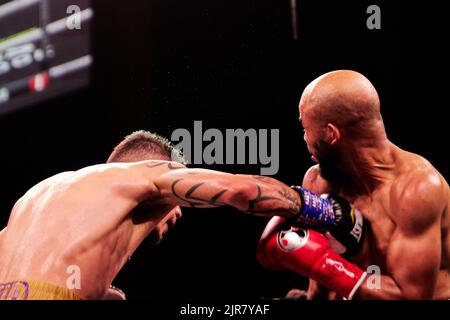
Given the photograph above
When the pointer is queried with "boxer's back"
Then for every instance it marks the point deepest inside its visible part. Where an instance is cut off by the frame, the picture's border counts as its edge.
(73, 220)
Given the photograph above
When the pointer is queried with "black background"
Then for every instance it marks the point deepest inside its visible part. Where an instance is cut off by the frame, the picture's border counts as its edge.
(160, 65)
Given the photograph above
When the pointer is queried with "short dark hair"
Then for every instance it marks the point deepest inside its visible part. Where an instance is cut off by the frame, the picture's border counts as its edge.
(143, 145)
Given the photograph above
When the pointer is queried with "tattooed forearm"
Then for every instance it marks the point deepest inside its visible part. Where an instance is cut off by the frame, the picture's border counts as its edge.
(254, 203)
(285, 202)
(258, 195)
(293, 200)
(195, 201)
(257, 198)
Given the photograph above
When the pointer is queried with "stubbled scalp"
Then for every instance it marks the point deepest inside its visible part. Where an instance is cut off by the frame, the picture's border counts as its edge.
(143, 145)
(345, 98)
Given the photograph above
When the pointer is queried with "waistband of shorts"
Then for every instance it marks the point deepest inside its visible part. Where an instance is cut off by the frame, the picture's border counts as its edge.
(26, 289)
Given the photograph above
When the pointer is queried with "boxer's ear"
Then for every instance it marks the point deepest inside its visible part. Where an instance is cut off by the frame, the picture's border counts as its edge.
(333, 134)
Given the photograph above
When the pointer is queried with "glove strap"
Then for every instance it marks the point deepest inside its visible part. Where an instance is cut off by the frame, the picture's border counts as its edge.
(315, 211)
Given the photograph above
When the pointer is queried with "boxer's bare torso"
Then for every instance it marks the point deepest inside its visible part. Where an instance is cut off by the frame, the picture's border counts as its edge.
(81, 219)
(407, 222)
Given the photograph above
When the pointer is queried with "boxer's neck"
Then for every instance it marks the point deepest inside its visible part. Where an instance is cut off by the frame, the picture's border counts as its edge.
(368, 165)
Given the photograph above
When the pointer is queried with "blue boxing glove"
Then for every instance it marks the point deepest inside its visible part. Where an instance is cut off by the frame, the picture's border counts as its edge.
(333, 216)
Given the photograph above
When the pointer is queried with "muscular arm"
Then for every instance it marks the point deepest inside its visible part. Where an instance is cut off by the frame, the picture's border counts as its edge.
(202, 188)
(413, 256)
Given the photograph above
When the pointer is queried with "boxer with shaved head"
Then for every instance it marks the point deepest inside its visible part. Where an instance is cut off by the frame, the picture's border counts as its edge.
(404, 200)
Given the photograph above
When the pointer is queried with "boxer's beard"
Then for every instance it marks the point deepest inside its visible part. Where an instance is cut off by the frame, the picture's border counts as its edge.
(329, 160)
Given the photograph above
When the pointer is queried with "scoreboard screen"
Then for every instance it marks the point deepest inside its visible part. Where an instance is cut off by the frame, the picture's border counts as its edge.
(45, 50)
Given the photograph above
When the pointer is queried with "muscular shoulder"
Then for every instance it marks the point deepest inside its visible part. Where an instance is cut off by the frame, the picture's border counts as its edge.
(420, 197)
(125, 170)
(113, 174)
(128, 178)
(314, 182)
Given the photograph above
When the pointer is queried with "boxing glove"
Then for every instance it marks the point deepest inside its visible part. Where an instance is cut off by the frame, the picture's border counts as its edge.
(333, 216)
(309, 254)
(268, 261)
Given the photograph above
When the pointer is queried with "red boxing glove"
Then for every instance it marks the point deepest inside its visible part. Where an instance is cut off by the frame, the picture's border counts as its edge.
(265, 258)
(308, 253)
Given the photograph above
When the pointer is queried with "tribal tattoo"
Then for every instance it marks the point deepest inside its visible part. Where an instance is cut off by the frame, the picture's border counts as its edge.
(282, 202)
(197, 202)
(284, 197)
(272, 196)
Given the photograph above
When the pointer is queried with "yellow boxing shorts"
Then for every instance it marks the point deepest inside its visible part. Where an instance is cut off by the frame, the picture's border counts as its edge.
(34, 290)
